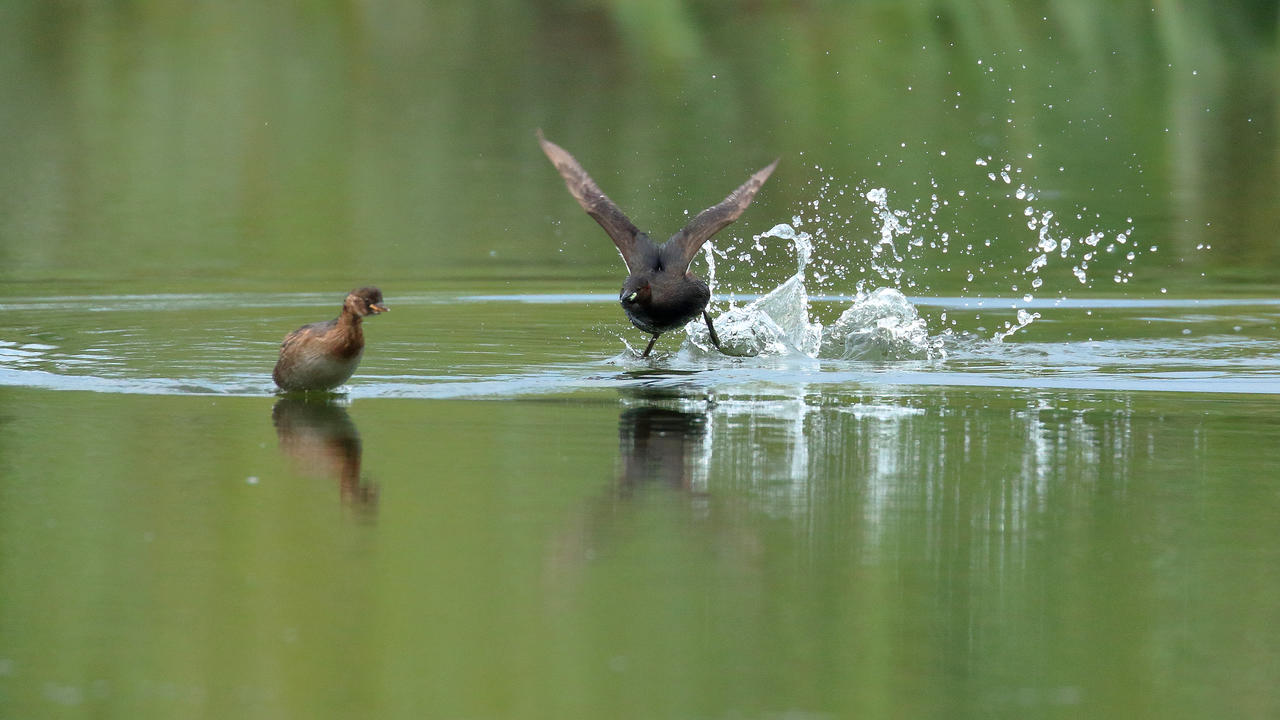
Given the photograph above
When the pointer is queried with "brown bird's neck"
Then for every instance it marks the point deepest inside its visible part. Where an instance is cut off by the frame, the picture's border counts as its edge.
(350, 333)
(348, 318)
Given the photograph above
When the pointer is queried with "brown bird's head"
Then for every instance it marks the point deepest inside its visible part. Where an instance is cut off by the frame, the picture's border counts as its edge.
(365, 301)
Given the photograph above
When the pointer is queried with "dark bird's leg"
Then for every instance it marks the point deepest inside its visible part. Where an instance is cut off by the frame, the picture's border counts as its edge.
(715, 339)
(652, 340)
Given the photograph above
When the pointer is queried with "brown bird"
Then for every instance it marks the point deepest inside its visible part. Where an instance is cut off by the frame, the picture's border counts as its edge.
(660, 293)
(323, 355)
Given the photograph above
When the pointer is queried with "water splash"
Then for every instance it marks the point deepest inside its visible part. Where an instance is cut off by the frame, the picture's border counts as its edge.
(776, 323)
(861, 242)
(880, 325)
(865, 237)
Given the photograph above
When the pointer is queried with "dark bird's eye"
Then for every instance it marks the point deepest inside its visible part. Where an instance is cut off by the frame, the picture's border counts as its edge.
(632, 296)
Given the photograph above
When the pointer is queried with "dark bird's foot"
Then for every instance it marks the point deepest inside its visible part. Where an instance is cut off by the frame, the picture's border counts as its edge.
(649, 347)
(715, 339)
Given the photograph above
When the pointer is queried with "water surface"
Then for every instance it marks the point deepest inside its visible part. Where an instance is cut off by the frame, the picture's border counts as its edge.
(1019, 526)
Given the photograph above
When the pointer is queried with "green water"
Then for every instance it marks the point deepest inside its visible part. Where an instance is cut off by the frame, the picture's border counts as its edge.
(938, 552)
(506, 513)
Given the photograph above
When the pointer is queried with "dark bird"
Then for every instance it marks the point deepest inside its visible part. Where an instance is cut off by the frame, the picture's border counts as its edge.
(660, 293)
(323, 355)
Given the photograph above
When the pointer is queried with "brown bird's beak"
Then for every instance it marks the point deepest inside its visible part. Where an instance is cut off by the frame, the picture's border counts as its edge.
(379, 309)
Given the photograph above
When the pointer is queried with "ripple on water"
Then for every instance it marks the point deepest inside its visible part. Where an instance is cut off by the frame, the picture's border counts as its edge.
(877, 338)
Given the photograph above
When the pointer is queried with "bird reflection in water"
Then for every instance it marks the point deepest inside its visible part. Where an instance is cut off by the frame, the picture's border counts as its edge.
(663, 457)
(659, 446)
(321, 439)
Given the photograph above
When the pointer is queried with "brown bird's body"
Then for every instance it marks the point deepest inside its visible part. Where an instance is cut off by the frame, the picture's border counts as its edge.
(322, 356)
(660, 294)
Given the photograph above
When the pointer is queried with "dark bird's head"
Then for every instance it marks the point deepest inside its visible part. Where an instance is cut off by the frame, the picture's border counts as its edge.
(636, 292)
(365, 301)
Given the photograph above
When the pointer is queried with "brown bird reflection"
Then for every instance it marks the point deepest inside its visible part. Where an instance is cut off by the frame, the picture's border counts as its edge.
(322, 441)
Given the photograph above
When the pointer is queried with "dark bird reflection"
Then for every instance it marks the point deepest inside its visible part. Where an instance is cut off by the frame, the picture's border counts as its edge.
(664, 443)
(659, 445)
(321, 439)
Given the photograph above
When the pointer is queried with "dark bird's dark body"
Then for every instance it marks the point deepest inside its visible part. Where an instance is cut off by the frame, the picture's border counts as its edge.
(664, 301)
(660, 294)
(323, 355)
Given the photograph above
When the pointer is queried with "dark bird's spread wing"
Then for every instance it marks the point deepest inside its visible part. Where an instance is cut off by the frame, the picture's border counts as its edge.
(684, 245)
(598, 205)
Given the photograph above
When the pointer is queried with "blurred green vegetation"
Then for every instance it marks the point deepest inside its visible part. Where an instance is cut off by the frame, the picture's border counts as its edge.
(242, 144)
